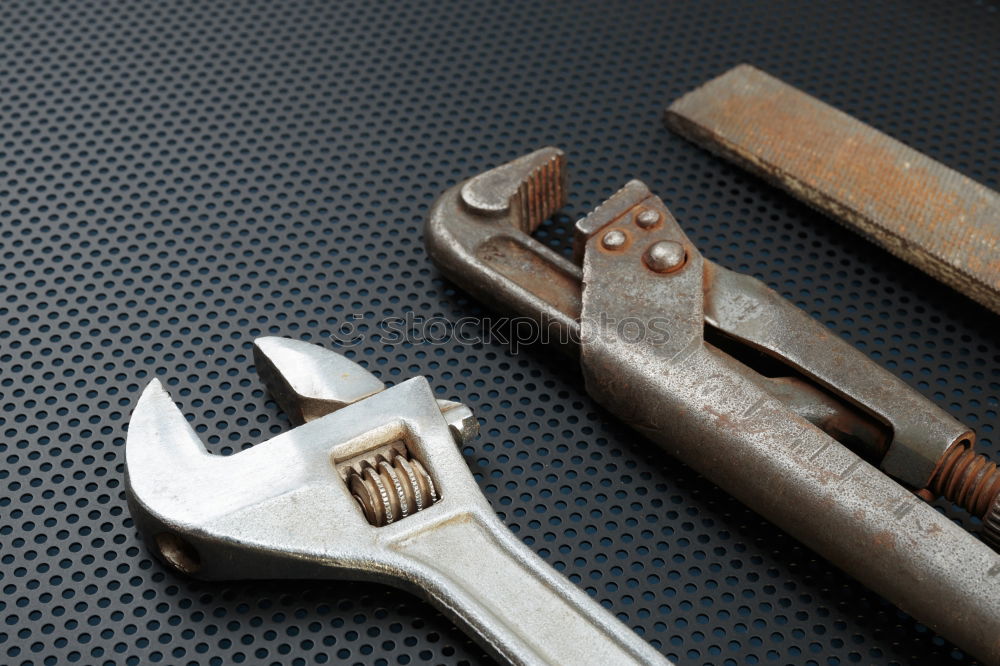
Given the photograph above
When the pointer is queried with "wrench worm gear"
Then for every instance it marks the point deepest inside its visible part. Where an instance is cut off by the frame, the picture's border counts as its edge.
(391, 485)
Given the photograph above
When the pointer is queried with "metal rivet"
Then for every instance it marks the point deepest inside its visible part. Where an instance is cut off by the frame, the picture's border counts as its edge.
(613, 240)
(665, 256)
(647, 218)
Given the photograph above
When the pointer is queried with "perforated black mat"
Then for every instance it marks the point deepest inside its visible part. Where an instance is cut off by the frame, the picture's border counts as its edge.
(179, 178)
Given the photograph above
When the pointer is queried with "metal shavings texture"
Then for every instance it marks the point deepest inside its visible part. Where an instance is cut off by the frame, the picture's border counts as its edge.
(179, 178)
(920, 210)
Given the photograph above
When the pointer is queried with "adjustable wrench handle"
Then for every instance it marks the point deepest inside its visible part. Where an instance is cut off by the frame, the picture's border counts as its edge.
(482, 576)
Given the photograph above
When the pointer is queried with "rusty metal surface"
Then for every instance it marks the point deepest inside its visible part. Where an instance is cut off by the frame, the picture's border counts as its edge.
(721, 416)
(708, 409)
(489, 253)
(927, 214)
(746, 309)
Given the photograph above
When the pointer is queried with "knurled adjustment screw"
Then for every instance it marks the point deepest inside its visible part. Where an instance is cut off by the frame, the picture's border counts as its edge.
(971, 481)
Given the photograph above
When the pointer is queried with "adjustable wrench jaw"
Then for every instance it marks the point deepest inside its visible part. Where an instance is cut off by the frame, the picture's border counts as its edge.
(371, 486)
(283, 509)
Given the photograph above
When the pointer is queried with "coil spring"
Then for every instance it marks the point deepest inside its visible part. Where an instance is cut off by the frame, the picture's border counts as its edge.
(967, 478)
(391, 487)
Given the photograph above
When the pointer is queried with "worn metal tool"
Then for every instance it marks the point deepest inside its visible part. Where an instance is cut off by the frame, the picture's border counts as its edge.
(740, 384)
(370, 485)
(935, 218)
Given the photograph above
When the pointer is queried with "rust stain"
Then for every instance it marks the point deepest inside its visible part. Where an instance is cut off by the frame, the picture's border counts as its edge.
(919, 209)
(884, 540)
(847, 161)
(517, 262)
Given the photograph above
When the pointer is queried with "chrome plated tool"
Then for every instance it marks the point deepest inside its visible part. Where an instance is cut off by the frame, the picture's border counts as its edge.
(370, 485)
(740, 384)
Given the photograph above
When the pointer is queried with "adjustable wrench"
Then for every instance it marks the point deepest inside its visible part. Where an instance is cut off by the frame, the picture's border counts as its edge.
(727, 375)
(369, 485)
